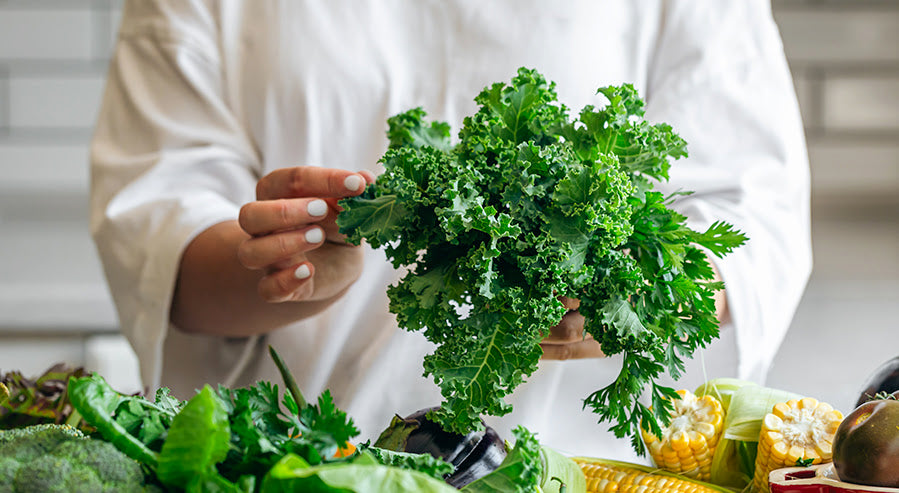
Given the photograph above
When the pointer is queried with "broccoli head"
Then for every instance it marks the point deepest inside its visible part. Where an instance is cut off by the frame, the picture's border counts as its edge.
(58, 458)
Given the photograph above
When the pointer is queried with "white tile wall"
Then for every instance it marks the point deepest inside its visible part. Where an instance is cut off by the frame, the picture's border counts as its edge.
(807, 92)
(847, 32)
(43, 167)
(854, 247)
(854, 169)
(863, 103)
(54, 101)
(4, 101)
(54, 303)
(33, 354)
(844, 58)
(46, 33)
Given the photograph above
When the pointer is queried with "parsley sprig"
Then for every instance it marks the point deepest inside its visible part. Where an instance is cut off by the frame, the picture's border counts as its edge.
(529, 205)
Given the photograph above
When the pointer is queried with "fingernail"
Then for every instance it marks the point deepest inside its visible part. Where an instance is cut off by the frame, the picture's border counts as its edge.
(314, 235)
(353, 182)
(302, 272)
(317, 207)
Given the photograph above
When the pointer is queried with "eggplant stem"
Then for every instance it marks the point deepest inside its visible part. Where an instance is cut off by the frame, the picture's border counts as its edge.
(562, 486)
(289, 381)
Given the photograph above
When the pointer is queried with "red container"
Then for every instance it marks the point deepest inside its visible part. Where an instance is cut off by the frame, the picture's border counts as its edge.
(821, 478)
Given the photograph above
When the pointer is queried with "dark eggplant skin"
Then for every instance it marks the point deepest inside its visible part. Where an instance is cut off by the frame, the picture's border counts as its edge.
(866, 444)
(472, 456)
(884, 379)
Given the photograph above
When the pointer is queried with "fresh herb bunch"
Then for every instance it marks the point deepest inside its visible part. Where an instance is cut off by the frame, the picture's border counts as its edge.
(530, 205)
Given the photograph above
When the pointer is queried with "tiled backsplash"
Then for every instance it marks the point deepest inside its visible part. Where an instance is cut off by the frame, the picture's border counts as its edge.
(844, 55)
(845, 60)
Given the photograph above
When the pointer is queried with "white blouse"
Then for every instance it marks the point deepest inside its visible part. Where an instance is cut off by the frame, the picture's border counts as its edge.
(203, 98)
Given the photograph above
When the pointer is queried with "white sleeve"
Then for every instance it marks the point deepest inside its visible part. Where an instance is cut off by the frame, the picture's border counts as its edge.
(720, 78)
(168, 160)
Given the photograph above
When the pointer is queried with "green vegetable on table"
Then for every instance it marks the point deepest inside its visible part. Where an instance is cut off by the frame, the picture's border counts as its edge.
(256, 440)
(527, 468)
(51, 458)
(361, 474)
(530, 205)
(219, 440)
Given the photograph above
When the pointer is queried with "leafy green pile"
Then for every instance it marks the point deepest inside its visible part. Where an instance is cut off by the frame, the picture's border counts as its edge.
(524, 470)
(219, 440)
(255, 440)
(530, 205)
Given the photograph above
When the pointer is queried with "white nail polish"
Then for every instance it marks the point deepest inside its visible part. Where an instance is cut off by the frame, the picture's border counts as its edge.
(302, 272)
(314, 235)
(317, 208)
(353, 182)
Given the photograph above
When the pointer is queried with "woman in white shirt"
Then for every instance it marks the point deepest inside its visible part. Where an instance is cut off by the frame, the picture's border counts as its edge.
(226, 126)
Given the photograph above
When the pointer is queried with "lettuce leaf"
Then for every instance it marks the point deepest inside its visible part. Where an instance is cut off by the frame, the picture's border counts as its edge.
(198, 439)
(364, 474)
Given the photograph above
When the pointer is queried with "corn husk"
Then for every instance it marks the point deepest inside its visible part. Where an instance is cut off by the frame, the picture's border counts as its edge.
(748, 405)
(745, 404)
(734, 461)
(722, 389)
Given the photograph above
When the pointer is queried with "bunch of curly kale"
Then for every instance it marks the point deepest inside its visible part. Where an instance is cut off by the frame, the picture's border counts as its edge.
(527, 206)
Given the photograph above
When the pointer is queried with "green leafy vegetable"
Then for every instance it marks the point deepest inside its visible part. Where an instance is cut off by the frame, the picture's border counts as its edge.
(97, 402)
(41, 400)
(805, 462)
(220, 440)
(527, 206)
(425, 463)
(57, 458)
(197, 440)
(362, 474)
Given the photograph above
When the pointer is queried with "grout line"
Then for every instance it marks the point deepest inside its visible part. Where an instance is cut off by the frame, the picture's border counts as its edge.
(833, 6)
(49, 66)
(837, 135)
(816, 90)
(45, 135)
(99, 28)
(5, 101)
(45, 4)
(870, 68)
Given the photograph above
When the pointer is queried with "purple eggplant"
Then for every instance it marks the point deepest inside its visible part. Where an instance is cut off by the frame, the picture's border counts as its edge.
(885, 379)
(472, 456)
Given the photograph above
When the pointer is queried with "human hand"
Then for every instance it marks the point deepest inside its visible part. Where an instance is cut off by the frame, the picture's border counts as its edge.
(567, 340)
(294, 236)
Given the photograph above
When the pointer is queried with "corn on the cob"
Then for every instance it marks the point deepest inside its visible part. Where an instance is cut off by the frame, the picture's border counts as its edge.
(688, 443)
(606, 476)
(799, 429)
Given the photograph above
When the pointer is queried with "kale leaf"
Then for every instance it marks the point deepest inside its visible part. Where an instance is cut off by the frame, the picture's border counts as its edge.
(530, 205)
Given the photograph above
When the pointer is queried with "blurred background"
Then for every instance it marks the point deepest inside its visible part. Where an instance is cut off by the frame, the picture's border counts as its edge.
(55, 307)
